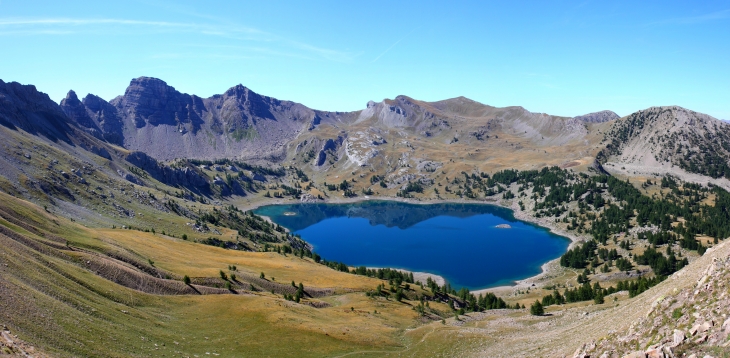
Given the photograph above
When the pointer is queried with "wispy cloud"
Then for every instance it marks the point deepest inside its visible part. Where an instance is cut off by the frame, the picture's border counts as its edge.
(249, 49)
(393, 45)
(64, 26)
(698, 19)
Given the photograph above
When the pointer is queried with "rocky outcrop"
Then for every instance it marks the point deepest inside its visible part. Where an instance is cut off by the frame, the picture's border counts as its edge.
(689, 322)
(95, 116)
(360, 147)
(329, 147)
(76, 111)
(186, 177)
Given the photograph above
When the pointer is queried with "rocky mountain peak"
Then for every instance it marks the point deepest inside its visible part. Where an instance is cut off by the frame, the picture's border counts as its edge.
(76, 110)
(93, 101)
(238, 90)
(152, 101)
(244, 95)
(71, 96)
(150, 84)
(25, 107)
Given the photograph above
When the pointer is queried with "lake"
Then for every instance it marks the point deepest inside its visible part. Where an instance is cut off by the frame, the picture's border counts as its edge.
(459, 242)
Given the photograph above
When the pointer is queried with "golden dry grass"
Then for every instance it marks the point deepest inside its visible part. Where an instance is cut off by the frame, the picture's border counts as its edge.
(196, 260)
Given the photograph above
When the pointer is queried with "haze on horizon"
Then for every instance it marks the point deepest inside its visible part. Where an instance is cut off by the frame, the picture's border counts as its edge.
(563, 58)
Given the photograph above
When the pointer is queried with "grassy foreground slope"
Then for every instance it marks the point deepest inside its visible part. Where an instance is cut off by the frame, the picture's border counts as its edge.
(57, 281)
(57, 290)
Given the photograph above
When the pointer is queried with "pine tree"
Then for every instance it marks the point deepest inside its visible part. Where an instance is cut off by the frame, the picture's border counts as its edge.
(537, 309)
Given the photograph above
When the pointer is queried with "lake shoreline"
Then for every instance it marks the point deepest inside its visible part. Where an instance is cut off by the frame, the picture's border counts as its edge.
(549, 269)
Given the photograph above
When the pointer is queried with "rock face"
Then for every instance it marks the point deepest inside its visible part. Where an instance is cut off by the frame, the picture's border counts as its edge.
(22, 106)
(155, 118)
(598, 117)
(94, 115)
(76, 111)
(186, 177)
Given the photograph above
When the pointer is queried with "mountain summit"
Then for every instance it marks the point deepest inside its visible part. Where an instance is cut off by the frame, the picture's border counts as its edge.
(155, 118)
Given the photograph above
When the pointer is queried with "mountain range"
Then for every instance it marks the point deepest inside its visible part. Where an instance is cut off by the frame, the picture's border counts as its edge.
(95, 191)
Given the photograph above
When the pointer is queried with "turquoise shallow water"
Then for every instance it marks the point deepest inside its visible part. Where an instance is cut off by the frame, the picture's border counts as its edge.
(456, 241)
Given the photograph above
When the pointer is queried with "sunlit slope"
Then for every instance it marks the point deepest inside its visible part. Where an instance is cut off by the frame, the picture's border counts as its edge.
(405, 140)
(58, 293)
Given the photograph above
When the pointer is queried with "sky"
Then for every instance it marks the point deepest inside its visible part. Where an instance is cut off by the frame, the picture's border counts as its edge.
(559, 57)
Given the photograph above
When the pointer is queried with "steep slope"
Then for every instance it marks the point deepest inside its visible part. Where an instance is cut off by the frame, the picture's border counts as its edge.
(692, 318)
(24, 107)
(94, 181)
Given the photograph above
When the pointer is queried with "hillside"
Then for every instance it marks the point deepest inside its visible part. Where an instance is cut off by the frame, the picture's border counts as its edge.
(114, 292)
(675, 140)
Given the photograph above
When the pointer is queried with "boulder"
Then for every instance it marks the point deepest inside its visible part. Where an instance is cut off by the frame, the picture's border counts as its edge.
(678, 337)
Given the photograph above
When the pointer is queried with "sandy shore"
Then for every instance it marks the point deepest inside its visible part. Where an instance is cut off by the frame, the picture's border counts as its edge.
(550, 270)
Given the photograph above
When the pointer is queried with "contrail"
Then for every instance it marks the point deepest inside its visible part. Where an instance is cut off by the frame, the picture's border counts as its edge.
(393, 45)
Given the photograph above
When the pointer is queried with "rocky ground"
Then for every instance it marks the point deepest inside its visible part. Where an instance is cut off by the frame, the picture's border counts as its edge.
(11, 346)
(692, 321)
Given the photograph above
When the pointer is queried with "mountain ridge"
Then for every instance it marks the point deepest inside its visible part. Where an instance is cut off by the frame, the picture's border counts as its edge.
(239, 117)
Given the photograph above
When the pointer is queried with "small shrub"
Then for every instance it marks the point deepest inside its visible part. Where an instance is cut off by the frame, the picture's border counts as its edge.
(186, 280)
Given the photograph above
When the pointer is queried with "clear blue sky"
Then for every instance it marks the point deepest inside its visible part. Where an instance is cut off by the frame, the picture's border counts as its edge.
(559, 57)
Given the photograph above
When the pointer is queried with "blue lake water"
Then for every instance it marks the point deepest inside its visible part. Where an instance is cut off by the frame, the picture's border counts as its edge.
(456, 241)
